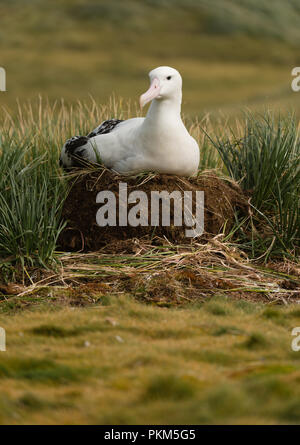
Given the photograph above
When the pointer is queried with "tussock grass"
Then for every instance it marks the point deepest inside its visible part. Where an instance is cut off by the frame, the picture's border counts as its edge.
(262, 153)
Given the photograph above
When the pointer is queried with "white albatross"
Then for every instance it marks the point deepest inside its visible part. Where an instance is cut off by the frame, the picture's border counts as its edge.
(159, 142)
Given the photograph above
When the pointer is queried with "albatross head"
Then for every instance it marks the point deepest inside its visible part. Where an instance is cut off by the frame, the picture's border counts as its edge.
(165, 83)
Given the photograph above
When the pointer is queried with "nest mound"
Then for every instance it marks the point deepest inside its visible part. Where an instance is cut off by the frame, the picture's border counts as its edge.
(221, 200)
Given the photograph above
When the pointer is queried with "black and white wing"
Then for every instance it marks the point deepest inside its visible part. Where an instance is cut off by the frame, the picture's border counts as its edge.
(73, 152)
(78, 149)
(105, 127)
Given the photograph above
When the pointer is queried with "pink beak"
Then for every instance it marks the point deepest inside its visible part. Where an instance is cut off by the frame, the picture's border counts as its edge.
(151, 94)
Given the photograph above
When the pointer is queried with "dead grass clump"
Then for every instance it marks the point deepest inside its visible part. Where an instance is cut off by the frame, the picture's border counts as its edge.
(164, 274)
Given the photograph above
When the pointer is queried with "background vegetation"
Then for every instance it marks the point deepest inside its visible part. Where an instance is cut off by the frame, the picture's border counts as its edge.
(231, 53)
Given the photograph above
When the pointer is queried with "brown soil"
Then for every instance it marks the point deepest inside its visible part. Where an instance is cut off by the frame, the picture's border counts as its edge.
(222, 199)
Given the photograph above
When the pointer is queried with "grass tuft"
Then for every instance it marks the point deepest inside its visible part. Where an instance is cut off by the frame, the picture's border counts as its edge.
(255, 341)
(262, 154)
(216, 309)
(38, 370)
(169, 387)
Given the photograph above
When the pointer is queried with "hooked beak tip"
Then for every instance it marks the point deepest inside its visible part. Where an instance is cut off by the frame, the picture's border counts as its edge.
(151, 94)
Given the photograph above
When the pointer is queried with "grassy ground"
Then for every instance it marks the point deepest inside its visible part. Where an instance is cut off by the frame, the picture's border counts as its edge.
(121, 361)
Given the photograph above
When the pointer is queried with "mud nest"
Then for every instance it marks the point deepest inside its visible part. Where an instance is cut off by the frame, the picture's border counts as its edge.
(82, 233)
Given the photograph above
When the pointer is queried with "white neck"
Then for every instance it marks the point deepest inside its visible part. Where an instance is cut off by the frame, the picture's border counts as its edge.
(164, 112)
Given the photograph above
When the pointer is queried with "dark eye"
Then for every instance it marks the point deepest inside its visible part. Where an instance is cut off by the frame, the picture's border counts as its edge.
(169, 77)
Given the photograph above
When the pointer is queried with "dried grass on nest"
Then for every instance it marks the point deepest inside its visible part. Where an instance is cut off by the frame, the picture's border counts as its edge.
(170, 275)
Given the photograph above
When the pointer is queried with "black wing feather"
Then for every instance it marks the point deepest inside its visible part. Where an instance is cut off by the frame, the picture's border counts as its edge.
(73, 144)
(105, 127)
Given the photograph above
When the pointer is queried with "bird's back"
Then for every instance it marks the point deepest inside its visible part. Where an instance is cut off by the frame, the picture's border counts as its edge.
(120, 143)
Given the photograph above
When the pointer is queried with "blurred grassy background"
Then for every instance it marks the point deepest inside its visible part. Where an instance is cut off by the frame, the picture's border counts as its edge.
(231, 53)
